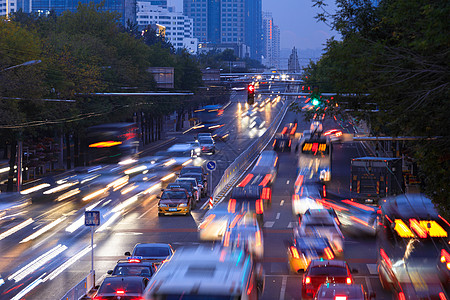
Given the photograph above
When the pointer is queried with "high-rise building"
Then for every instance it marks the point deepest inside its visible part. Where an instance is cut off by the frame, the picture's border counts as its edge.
(233, 22)
(293, 64)
(271, 41)
(178, 27)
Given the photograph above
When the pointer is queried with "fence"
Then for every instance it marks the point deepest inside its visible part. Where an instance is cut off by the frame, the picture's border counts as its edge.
(243, 161)
(81, 289)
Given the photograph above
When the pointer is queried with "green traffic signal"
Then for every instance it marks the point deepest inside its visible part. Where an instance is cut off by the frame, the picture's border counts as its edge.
(315, 102)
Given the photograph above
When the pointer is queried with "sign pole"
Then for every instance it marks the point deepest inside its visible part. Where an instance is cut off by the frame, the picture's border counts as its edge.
(210, 182)
(92, 219)
(92, 249)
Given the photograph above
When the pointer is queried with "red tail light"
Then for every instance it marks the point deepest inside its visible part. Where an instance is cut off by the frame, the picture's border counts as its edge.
(284, 130)
(259, 206)
(120, 292)
(340, 298)
(266, 194)
(329, 253)
(246, 180)
(226, 241)
(445, 257)
(290, 142)
(134, 260)
(442, 296)
(348, 280)
(294, 252)
(232, 206)
(385, 257)
(307, 280)
(401, 296)
(266, 180)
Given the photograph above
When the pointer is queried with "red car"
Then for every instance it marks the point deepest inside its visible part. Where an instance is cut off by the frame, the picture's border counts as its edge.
(324, 271)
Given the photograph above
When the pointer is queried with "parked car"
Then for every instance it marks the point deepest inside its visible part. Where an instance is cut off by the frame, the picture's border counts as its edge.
(119, 287)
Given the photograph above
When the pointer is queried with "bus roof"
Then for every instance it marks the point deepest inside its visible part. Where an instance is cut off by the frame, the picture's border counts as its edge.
(203, 271)
(408, 206)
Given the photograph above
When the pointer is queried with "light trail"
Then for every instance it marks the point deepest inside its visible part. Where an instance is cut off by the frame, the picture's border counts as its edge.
(37, 263)
(43, 230)
(16, 228)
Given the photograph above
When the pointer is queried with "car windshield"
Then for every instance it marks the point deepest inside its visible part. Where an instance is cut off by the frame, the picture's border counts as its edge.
(173, 195)
(324, 270)
(193, 181)
(198, 177)
(127, 286)
(130, 270)
(205, 141)
(151, 251)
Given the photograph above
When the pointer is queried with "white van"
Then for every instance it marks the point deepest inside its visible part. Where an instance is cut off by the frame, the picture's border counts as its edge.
(205, 273)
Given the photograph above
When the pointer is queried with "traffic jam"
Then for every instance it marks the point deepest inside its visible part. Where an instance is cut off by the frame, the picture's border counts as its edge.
(229, 262)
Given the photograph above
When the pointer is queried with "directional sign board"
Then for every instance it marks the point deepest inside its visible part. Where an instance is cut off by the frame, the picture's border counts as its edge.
(92, 218)
(211, 165)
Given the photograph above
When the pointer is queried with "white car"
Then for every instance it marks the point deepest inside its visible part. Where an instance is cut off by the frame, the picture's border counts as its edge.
(215, 223)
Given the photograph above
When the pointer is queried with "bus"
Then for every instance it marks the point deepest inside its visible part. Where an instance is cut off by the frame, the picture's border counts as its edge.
(209, 117)
(412, 246)
(314, 155)
(112, 143)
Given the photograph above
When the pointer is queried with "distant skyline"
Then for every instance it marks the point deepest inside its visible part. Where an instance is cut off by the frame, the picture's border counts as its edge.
(296, 20)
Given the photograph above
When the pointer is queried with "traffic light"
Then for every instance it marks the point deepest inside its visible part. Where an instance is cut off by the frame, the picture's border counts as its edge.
(250, 94)
(316, 97)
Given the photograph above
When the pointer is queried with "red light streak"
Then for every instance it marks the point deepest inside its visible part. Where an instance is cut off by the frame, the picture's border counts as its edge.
(246, 180)
(359, 205)
(266, 180)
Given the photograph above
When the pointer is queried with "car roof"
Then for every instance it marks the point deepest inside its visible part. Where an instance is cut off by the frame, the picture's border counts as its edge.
(152, 244)
(325, 262)
(329, 291)
(122, 279)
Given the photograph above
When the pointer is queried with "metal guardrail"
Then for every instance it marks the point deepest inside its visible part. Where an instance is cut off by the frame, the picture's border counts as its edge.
(243, 161)
(81, 289)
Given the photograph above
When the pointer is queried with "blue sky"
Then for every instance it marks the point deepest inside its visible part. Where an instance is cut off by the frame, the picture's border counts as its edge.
(296, 21)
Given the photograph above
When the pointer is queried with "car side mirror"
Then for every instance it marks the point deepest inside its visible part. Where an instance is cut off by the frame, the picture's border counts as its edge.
(127, 253)
(109, 272)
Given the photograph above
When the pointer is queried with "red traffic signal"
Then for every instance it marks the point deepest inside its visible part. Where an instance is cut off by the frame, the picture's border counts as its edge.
(251, 88)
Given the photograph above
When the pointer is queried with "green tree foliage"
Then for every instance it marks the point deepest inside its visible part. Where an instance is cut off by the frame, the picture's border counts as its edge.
(397, 51)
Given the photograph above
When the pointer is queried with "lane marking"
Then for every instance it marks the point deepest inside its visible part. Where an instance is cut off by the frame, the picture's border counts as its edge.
(283, 288)
(282, 203)
(269, 224)
(278, 216)
(292, 224)
(287, 182)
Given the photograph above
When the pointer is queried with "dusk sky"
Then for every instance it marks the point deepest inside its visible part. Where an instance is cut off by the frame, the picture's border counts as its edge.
(296, 21)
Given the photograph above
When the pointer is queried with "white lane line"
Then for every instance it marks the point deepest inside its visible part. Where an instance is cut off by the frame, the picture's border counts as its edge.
(292, 224)
(278, 216)
(283, 287)
(269, 224)
(148, 210)
(287, 182)
(282, 202)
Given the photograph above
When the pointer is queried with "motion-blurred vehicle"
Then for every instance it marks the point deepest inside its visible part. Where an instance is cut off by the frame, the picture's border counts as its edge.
(412, 242)
(134, 266)
(156, 252)
(185, 185)
(319, 223)
(341, 291)
(244, 232)
(128, 287)
(196, 191)
(205, 273)
(197, 149)
(305, 195)
(335, 135)
(215, 223)
(181, 150)
(247, 199)
(324, 271)
(289, 128)
(282, 143)
(207, 145)
(175, 201)
(314, 156)
(304, 249)
(201, 181)
(316, 127)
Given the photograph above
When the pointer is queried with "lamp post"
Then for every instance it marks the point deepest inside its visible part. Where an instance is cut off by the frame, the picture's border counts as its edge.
(19, 142)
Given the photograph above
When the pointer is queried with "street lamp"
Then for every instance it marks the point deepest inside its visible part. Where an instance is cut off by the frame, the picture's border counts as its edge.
(19, 142)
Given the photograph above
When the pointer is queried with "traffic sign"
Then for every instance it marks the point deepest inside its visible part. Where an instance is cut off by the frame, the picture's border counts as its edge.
(211, 165)
(92, 218)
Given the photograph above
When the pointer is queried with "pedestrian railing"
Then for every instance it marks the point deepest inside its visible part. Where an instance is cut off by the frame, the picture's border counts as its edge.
(82, 288)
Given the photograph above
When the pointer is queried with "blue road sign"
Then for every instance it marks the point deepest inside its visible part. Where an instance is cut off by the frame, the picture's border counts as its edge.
(92, 218)
(211, 165)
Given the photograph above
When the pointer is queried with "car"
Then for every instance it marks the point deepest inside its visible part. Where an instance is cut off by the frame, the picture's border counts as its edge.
(289, 129)
(244, 232)
(214, 223)
(185, 185)
(334, 134)
(196, 148)
(324, 271)
(320, 223)
(120, 287)
(174, 201)
(247, 198)
(207, 145)
(304, 249)
(196, 191)
(342, 291)
(134, 266)
(192, 169)
(201, 181)
(157, 252)
(282, 143)
(203, 135)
